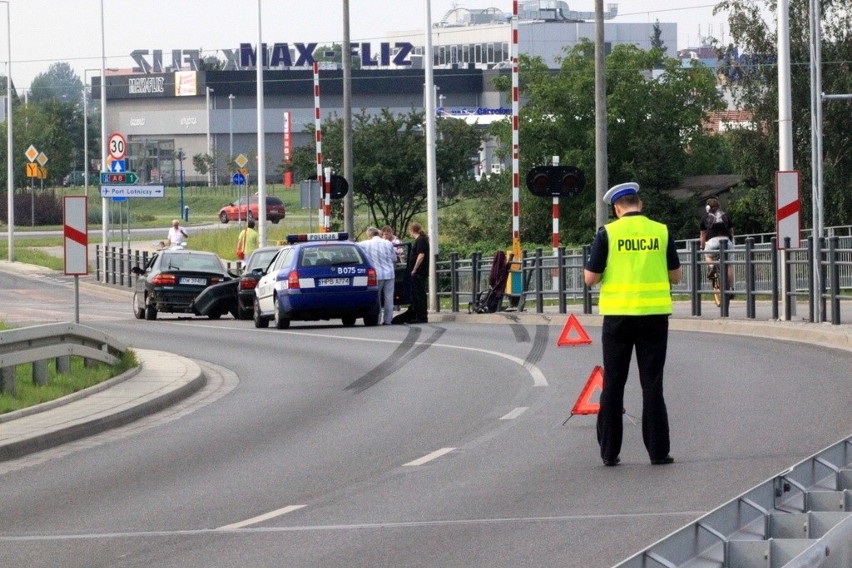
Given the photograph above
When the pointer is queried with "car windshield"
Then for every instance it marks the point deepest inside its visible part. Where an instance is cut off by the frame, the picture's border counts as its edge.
(331, 255)
(261, 259)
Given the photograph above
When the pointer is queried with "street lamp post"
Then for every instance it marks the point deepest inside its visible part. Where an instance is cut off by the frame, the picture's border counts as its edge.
(10, 170)
(431, 173)
(261, 134)
(105, 203)
(85, 138)
(207, 91)
(231, 98)
(86, 127)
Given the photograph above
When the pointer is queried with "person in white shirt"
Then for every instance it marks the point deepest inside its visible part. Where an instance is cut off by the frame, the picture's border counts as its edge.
(177, 236)
(382, 256)
(388, 235)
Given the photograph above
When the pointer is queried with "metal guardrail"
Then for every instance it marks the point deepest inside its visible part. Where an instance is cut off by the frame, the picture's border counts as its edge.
(547, 280)
(800, 518)
(40, 344)
(557, 280)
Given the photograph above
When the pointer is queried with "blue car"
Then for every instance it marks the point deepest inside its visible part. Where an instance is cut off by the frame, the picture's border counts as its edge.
(317, 276)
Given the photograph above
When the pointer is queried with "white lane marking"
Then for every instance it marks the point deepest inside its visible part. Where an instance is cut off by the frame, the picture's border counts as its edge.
(539, 380)
(354, 526)
(261, 518)
(429, 457)
(515, 413)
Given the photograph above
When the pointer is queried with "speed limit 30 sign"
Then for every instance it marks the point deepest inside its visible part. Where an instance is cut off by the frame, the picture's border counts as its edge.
(117, 146)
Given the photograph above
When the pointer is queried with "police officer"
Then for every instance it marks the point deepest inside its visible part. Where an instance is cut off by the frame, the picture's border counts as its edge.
(636, 262)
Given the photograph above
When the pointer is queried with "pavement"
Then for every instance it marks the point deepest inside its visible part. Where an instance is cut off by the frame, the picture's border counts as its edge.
(163, 379)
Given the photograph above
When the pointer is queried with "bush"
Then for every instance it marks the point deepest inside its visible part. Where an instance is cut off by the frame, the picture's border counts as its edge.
(42, 207)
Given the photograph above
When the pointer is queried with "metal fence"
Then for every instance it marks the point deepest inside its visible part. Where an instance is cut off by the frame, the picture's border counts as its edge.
(545, 282)
(540, 282)
(40, 344)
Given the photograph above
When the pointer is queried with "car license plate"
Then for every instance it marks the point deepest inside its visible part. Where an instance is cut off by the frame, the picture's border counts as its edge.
(194, 281)
(334, 282)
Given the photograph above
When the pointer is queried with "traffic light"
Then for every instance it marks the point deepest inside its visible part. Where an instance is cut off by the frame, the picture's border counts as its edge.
(555, 181)
(339, 186)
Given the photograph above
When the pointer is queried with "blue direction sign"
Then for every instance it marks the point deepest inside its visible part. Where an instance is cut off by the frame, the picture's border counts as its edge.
(114, 191)
(116, 179)
(238, 179)
(118, 166)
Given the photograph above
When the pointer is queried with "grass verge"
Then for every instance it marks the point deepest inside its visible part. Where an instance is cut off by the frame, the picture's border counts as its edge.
(59, 385)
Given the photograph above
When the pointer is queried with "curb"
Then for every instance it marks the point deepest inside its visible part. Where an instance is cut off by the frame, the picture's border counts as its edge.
(820, 334)
(98, 424)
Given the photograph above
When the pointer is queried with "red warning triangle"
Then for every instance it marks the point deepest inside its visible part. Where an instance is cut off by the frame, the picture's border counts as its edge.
(593, 385)
(582, 338)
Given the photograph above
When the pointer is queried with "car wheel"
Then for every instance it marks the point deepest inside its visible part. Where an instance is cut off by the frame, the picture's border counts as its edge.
(244, 313)
(371, 320)
(348, 321)
(280, 321)
(259, 321)
(137, 311)
(214, 315)
(275, 221)
(223, 217)
(150, 312)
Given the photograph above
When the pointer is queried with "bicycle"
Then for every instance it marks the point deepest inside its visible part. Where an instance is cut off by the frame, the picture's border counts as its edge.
(713, 276)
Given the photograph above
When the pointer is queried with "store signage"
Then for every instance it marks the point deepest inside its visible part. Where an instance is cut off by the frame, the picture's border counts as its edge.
(277, 55)
(472, 111)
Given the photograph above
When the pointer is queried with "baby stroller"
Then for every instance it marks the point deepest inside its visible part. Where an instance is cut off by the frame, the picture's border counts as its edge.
(490, 301)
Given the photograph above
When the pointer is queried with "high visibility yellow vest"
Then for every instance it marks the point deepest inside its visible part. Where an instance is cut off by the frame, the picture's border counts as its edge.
(636, 279)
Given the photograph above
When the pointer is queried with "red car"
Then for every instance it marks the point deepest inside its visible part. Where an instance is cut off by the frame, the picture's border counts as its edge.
(238, 210)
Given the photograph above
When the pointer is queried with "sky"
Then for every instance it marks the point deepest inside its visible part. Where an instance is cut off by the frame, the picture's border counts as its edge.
(49, 31)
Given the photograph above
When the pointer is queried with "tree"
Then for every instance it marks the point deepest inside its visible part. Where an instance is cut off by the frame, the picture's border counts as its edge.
(653, 124)
(657, 43)
(212, 63)
(750, 72)
(60, 82)
(337, 50)
(389, 167)
(203, 163)
(55, 128)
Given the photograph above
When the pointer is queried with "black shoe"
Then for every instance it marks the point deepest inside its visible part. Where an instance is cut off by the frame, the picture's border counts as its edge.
(663, 461)
(612, 462)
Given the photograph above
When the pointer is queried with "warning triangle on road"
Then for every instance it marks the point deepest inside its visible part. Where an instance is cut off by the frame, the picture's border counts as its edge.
(581, 337)
(594, 385)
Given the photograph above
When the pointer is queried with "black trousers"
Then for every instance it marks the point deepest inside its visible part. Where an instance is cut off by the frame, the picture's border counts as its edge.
(649, 335)
(418, 298)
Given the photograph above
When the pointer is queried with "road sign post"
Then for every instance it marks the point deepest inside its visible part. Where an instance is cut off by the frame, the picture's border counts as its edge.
(76, 232)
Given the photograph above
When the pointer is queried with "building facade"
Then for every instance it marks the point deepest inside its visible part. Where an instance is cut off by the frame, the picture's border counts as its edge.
(166, 112)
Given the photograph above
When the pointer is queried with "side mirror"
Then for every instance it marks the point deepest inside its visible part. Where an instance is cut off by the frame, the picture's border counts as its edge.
(234, 273)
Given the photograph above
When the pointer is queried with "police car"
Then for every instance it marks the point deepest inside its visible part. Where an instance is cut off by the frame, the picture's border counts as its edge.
(318, 276)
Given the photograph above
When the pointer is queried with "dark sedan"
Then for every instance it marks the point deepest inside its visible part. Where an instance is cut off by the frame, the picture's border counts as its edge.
(236, 296)
(172, 279)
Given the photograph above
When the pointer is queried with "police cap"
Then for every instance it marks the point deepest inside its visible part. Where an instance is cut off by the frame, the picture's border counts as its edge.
(618, 191)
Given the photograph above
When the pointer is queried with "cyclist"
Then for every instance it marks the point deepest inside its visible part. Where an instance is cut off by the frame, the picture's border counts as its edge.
(716, 226)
